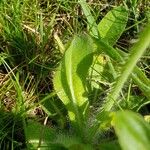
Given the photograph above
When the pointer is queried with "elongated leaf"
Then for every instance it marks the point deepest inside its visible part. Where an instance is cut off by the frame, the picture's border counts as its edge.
(138, 76)
(70, 78)
(110, 29)
(134, 3)
(112, 145)
(39, 135)
(136, 52)
(96, 70)
(133, 132)
(91, 21)
(113, 24)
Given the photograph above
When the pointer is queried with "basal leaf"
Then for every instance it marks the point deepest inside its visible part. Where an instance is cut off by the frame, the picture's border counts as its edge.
(133, 132)
(110, 145)
(39, 135)
(70, 78)
(135, 53)
(110, 29)
(90, 19)
(96, 70)
(113, 24)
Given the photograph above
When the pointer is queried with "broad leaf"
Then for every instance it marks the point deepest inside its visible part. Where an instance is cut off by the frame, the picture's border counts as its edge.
(72, 142)
(110, 145)
(70, 78)
(96, 70)
(113, 24)
(39, 136)
(133, 132)
(110, 29)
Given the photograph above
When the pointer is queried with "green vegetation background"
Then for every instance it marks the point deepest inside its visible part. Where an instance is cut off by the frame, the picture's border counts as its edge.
(39, 38)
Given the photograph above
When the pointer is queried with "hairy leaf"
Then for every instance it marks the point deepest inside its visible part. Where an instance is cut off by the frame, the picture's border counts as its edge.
(70, 78)
(113, 24)
(133, 132)
(39, 135)
(136, 52)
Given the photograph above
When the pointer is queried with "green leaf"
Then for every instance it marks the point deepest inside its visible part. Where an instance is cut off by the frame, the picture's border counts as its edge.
(135, 53)
(81, 146)
(113, 24)
(90, 19)
(39, 135)
(96, 70)
(112, 145)
(134, 3)
(133, 132)
(70, 78)
(72, 142)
